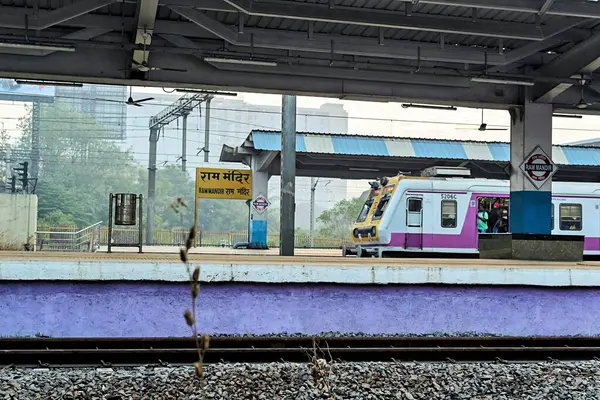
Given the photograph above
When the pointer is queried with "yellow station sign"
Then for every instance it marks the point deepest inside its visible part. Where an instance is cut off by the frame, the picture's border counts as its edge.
(219, 183)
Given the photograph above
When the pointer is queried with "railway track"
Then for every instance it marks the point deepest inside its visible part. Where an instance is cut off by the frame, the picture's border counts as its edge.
(94, 352)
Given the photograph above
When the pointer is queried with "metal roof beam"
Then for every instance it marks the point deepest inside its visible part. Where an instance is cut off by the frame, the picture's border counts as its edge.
(553, 39)
(66, 13)
(11, 17)
(359, 75)
(208, 5)
(388, 19)
(583, 58)
(566, 8)
(82, 34)
(95, 65)
(546, 7)
(145, 19)
(274, 39)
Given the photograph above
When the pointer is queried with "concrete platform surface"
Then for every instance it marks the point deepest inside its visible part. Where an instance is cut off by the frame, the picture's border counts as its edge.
(126, 266)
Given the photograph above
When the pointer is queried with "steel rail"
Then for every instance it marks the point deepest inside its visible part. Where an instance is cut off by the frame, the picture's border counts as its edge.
(175, 351)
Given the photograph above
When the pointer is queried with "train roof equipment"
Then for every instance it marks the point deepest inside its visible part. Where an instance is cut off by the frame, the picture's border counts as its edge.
(446, 172)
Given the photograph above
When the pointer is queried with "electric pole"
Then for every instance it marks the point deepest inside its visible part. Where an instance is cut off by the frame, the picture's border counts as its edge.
(207, 129)
(313, 187)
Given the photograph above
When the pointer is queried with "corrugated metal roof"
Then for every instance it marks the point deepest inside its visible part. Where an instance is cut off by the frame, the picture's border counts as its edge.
(382, 146)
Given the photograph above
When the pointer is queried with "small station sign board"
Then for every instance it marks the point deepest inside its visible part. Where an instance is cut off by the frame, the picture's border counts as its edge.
(260, 203)
(538, 167)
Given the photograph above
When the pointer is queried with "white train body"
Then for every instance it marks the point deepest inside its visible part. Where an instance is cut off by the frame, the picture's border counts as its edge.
(439, 215)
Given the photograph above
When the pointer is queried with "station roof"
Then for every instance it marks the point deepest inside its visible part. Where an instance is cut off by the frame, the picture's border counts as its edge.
(459, 52)
(353, 156)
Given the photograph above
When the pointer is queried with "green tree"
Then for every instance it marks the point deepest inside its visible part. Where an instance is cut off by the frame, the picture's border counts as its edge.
(57, 218)
(4, 151)
(77, 170)
(273, 219)
(223, 215)
(213, 215)
(337, 221)
(171, 184)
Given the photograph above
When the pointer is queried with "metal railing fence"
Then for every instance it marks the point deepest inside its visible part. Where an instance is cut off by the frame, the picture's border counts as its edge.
(68, 238)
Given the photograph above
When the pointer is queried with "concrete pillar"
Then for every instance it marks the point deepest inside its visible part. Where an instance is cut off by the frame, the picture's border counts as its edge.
(151, 186)
(288, 176)
(258, 220)
(530, 206)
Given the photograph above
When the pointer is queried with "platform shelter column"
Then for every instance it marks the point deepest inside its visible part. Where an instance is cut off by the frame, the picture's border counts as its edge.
(530, 216)
(288, 176)
(531, 169)
(258, 215)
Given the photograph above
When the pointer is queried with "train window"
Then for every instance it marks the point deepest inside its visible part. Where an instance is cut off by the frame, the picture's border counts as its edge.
(381, 207)
(365, 210)
(414, 210)
(449, 213)
(570, 217)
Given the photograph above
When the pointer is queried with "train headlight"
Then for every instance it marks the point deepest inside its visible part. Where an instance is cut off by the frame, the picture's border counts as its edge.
(373, 230)
(355, 233)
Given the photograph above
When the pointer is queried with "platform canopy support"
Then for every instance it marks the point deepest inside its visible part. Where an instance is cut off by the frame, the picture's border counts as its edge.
(258, 216)
(531, 199)
(288, 175)
(530, 213)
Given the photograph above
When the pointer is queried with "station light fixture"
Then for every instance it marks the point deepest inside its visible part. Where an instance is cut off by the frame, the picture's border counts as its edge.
(208, 92)
(502, 81)
(35, 46)
(567, 116)
(47, 83)
(363, 169)
(241, 61)
(430, 107)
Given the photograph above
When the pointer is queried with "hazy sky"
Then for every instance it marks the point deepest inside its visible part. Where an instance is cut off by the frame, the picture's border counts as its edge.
(390, 119)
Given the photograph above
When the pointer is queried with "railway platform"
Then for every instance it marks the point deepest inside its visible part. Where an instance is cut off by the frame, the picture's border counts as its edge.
(309, 266)
(127, 294)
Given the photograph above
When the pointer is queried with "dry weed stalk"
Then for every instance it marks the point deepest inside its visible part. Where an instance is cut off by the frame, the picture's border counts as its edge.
(202, 342)
(321, 369)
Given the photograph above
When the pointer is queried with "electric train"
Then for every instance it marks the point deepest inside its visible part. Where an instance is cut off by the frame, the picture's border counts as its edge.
(437, 213)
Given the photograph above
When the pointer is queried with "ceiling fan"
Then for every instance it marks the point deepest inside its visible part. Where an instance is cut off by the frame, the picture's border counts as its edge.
(582, 104)
(483, 127)
(131, 102)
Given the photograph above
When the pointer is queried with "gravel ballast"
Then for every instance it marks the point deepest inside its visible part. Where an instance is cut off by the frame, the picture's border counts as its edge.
(473, 381)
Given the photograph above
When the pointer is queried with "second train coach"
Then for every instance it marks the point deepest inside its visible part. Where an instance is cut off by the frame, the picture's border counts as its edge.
(438, 214)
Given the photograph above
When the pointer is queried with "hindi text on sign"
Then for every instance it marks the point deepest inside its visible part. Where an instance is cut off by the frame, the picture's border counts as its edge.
(216, 183)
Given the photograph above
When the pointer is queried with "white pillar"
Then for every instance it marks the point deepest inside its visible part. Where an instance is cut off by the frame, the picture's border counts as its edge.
(530, 205)
(258, 220)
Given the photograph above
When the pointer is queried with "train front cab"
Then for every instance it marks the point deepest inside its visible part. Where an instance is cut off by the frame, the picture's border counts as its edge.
(365, 232)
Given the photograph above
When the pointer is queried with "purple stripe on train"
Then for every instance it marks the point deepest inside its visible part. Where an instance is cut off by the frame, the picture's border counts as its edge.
(466, 239)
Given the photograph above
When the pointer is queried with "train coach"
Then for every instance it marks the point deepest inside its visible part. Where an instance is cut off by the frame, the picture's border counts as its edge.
(436, 213)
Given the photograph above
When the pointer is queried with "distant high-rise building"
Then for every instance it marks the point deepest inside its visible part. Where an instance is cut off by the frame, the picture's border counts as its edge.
(105, 102)
(231, 121)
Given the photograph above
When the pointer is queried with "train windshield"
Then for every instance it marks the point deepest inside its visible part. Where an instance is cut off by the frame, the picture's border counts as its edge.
(388, 191)
(364, 212)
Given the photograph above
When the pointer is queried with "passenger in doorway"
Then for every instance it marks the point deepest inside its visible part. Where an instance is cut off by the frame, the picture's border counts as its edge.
(482, 219)
(496, 218)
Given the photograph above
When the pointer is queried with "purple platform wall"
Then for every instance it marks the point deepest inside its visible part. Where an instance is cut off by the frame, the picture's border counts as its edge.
(142, 309)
